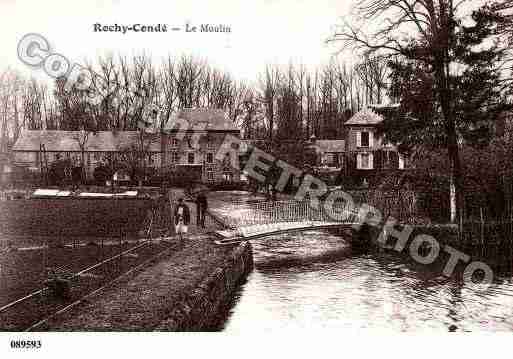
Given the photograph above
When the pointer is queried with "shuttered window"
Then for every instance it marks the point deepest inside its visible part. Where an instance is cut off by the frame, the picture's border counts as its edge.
(365, 161)
(364, 139)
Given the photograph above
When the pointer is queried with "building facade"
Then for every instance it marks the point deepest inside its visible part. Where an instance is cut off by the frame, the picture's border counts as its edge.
(363, 153)
(188, 145)
(366, 149)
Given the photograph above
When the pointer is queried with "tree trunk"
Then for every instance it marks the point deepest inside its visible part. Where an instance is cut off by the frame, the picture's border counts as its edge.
(455, 185)
(452, 199)
(442, 74)
(82, 171)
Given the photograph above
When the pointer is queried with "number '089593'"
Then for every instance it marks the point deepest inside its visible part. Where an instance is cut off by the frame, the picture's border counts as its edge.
(25, 344)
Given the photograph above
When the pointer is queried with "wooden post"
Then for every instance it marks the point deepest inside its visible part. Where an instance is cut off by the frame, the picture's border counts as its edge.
(482, 224)
(460, 229)
(102, 255)
(120, 251)
(510, 237)
(45, 258)
(510, 223)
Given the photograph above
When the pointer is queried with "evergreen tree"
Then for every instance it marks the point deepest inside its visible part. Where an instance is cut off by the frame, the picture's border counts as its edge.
(445, 72)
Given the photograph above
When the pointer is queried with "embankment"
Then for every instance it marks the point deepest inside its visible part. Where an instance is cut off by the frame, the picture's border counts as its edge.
(184, 291)
(200, 309)
(491, 247)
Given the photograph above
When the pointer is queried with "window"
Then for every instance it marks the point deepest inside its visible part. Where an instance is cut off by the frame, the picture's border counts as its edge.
(210, 144)
(227, 176)
(190, 158)
(364, 139)
(328, 159)
(173, 157)
(210, 175)
(341, 160)
(173, 143)
(364, 161)
(210, 157)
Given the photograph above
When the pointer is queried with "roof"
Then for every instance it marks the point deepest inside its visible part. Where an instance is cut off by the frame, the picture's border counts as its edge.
(204, 119)
(56, 140)
(246, 145)
(365, 117)
(327, 146)
(386, 106)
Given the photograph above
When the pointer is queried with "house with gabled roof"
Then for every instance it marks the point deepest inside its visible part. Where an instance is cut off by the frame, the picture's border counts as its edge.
(36, 148)
(367, 150)
(188, 142)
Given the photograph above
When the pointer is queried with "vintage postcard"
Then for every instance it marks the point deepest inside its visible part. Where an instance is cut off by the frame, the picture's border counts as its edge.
(252, 167)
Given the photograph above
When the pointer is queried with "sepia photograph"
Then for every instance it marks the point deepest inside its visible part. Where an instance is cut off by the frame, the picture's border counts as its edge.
(255, 168)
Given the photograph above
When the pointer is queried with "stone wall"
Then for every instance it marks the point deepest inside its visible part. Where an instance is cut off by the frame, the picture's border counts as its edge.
(203, 307)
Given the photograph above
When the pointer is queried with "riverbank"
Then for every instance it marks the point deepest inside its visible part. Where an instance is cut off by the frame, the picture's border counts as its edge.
(183, 291)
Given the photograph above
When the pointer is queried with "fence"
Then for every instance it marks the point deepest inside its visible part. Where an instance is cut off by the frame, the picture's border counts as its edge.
(290, 211)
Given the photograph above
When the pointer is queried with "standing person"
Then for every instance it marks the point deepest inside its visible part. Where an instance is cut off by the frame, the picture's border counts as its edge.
(182, 218)
(198, 209)
(201, 207)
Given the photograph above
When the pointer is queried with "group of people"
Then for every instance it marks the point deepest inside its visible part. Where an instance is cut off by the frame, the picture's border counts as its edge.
(182, 214)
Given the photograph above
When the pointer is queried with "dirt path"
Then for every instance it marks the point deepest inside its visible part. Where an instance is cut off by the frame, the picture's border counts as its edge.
(142, 301)
(145, 300)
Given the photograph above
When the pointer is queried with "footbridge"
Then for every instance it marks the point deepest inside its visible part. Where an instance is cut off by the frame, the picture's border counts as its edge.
(247, 221)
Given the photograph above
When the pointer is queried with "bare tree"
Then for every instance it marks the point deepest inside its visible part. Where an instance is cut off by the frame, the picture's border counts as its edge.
(430, 33)
(12, 87)
(431, 23)
(82, 137)
(268, 86)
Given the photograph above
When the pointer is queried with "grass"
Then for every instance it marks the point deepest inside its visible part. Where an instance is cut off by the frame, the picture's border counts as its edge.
(72, 216)
(143, 302)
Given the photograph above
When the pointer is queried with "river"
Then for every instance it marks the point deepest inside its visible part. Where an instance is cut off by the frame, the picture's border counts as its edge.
(313, 280)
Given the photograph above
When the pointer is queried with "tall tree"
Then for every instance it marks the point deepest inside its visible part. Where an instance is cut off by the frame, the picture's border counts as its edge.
(460, 89)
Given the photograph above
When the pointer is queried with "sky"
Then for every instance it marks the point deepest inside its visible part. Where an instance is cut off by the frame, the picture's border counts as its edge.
(262, 31)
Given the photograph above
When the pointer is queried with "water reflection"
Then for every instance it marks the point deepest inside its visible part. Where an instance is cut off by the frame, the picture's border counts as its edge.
(313, 280)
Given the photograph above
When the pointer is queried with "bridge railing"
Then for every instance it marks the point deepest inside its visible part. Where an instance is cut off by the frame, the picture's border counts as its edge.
(291, 211)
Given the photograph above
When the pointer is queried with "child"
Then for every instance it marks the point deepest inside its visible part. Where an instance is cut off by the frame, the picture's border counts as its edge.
(182, 218)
